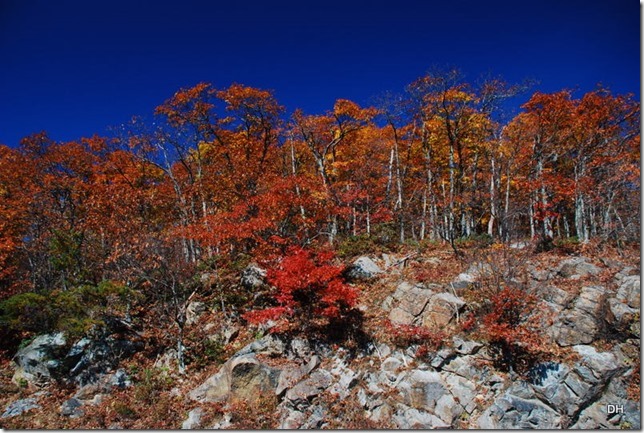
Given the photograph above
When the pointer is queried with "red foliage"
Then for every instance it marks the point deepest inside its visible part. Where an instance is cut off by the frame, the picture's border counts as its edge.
(308, 286)
(512, 328)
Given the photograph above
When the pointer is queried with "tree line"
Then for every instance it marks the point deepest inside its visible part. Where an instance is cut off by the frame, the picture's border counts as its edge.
(223, 173)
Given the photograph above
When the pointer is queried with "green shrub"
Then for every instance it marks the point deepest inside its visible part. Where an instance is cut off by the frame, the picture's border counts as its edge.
(72, 311)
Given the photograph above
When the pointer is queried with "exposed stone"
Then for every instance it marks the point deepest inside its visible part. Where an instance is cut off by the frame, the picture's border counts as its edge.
(629, 291)
(621, 313)
(253, 277)
(194, 310)
(442, 308)
(194, 419)
(577, 266)
(40, 360)
(72, 408)
(242, 377)
(19, 407)
(579, 325)
(363, 268)
(513, 412)
(466, 347)
(411, 418)
(398, 316)
(305, 390)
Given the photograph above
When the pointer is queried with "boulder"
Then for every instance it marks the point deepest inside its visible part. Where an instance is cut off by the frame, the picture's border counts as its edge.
(577, 267)
(629, 291)
(243, 377)
(418, 305)
(410, 418)
(442, 309)
(194, 419)
(253, 277)
(513, 412)
(580, 324)
(19, 407)
(302, 393)
(363, 268)
(72, 408)
(39, 361)
(194, 310)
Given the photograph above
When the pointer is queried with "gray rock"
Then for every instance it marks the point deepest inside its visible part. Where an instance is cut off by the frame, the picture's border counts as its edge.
(194, 419)
(577, 266)
(120, 379)
(253, 277)
(466, 347)
(194, 310)
(38, 362)
(72, 408)
(442, 309)
(19, 407)
(363, 268)
(512, 412)
(398, 316)
(242, 377)
(411, 418)
(580, 324)
(301, 394)
(629, 291)
(621, 313)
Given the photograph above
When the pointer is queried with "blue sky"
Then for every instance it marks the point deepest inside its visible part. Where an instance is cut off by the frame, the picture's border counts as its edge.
(74, 68)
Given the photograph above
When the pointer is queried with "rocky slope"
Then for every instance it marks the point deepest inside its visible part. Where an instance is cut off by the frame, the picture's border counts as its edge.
(585, 379)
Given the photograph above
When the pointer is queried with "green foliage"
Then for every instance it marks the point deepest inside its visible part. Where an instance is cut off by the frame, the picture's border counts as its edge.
(569, 245)
(382, 239)
(480, 240)
(73, 311)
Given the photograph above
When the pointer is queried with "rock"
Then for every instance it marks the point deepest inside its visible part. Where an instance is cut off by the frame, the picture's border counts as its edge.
(442, 308)
(253, 277)
(466, 347)
(577, 266)
(19, 407)
(194, 419)
(301, 394)
(120, 379)
(363, 268)
(91, 358)
(604, 365)
(513, 412)
(574, 327)
(555, 295)
(579, 325)
(194, 310)
(391, 367)
(629, 291)
(268, 345)
(72, 408)
(398, 316)
(442, 357)
(241, 377)
(621, 313)
(410, 418)
(40, 360)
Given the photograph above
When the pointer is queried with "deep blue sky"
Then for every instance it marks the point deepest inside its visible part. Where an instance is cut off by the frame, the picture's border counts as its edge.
(73, 68)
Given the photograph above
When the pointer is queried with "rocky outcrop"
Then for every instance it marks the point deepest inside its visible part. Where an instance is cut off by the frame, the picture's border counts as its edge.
(19, 407)
(253, 277)
(577, 267)
(362, 269)
(556, 395)
(420, 305)
(40, 361)
(580, 323)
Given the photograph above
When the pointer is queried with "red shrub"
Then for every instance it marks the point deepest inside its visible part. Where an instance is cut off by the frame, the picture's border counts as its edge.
(308, 286)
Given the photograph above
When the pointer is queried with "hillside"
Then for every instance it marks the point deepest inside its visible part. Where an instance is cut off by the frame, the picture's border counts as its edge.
(499, 336)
